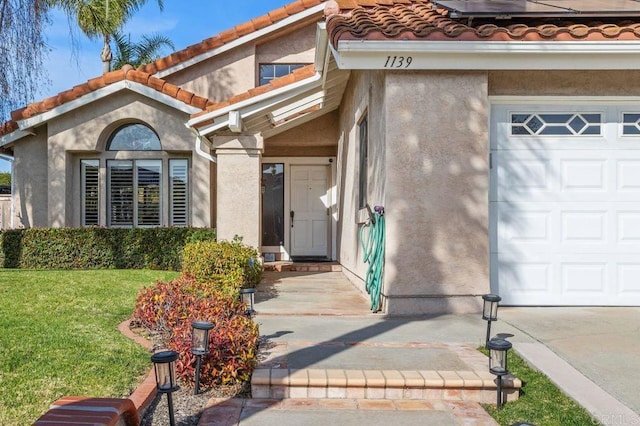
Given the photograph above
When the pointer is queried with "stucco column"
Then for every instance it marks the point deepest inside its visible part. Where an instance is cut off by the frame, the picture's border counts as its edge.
(437, 183)
(238, 187)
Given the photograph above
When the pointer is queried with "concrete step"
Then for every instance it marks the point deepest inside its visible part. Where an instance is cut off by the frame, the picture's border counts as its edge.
(283, 266)
(458, 373)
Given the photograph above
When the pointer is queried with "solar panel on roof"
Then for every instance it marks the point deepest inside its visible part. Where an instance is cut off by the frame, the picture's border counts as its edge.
(535, 8)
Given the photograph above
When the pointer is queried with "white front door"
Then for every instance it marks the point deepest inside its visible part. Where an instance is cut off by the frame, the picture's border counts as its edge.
(566, 204)
(309, 210)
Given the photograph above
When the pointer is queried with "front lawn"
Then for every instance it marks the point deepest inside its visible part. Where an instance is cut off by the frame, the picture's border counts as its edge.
(541, 402)
(58, 336)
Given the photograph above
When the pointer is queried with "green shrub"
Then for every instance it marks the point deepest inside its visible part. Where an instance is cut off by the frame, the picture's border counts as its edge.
(224, 266)
(97, 248)
(167, 311)
(10, 248)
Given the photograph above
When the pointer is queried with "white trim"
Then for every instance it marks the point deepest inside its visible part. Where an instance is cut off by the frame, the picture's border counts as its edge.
(102, 93)
(272, 97)
(242, 40)
(14, 136)
(235, 121)
(563, 100)
(488, 55)
(283, 113)
(331, 191)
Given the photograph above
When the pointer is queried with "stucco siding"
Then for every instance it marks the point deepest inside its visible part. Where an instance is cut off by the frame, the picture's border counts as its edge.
(317, 138)
(220, 77)
(363, 95)
(296, 47)
(31, 181)
(437, 191)
(564, 83)
(236, 71)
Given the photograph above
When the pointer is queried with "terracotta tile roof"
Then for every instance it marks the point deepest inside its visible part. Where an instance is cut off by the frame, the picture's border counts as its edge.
(126, 73)
(419, 20)
(230, 35)
(296, 76)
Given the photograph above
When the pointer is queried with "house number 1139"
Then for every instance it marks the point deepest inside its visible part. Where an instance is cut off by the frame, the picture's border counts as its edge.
(398, 62)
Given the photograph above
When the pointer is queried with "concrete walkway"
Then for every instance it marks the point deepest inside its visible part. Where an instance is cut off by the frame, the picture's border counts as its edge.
(320, 321)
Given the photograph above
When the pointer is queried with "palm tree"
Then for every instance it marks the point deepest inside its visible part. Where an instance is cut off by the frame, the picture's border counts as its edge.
(102, 18)
(135, 54)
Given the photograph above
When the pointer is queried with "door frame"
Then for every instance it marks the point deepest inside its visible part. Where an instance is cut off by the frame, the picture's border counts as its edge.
(332, 195)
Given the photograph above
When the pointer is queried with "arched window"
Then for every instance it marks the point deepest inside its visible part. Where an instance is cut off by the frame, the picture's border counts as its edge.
(134, 137)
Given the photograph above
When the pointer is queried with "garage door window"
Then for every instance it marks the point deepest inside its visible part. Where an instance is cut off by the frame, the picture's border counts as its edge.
(631, 124)
(556, 124)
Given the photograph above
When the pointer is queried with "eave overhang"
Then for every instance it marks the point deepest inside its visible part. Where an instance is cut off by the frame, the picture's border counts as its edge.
(283, 108)
(26, 126)
(487, 55)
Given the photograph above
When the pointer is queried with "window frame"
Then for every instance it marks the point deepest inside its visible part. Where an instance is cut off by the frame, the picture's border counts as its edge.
(292, 67)
(122, 128)
(363, 160)
(135, 193)
(84, 163)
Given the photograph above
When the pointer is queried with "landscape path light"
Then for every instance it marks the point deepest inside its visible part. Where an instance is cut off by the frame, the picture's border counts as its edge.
(199, 346)
(490, 312)
(498, 351)
(247, 296)
(164, 364)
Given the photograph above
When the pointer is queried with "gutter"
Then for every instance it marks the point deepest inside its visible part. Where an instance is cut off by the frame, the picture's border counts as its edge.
(487, 55)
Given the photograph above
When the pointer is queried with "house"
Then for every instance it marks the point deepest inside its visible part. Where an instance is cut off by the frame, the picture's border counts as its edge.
(504, 145)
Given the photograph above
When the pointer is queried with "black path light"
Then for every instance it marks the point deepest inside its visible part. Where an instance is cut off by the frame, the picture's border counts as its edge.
(247, 296)
(498, 349)
(490, 312)
(164, 364)
(199, 346)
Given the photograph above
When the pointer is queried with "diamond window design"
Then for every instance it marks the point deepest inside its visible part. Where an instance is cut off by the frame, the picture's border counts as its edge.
(631, 124)
(556, 124)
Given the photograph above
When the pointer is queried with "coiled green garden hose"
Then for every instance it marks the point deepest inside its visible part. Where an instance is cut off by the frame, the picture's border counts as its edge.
(373, 254)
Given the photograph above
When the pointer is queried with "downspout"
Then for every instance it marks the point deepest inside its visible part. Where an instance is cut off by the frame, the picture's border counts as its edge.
(12, 209)
(198, 144)
(202, 153)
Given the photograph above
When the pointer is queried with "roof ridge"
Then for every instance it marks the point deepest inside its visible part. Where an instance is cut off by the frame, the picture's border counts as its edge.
(229, 35)
(127, 73)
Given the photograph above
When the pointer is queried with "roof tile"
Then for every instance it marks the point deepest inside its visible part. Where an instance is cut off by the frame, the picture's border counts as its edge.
(184, 96)
(170, 89)
(418, 20)
(113, 76)
(126, 73)
(245, 28)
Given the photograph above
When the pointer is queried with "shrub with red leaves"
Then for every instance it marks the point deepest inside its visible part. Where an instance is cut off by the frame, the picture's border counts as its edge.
(168, 309)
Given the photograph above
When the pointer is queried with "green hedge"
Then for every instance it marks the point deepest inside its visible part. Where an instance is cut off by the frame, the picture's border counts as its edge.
(224, 266)
(98, 248)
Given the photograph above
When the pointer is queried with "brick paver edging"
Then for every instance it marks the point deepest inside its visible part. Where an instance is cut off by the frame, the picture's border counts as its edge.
(146, 391)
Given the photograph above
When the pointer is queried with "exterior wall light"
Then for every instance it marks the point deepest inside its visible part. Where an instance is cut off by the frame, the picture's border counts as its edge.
(490, 312)
(164, 364)
(247, 296)
(199, 346)
(498, 349)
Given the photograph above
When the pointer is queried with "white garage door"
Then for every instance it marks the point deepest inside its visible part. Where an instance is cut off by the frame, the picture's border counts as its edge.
(565, 204)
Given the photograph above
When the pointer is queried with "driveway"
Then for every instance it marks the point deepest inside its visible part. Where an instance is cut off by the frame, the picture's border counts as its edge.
(603, 344)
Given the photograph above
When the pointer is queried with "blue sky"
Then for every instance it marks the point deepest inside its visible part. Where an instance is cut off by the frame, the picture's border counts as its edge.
(185, 22)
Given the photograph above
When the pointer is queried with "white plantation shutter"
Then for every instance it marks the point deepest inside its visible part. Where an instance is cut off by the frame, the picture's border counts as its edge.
(179, 192)
(120, 193)
(148, 180)
(90, 170)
